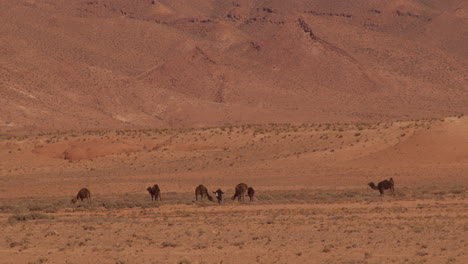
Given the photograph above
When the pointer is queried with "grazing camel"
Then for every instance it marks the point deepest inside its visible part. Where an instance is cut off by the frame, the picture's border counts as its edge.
(219, 195)
(241, 188)
(384, 185)
(202, 191)
(251, 193)
(84, 193)
(155, 192)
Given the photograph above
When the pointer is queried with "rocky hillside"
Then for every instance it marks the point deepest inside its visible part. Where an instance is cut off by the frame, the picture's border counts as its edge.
(75, 64)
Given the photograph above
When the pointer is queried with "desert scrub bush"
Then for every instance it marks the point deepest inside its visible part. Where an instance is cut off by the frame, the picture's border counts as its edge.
(6, 208)
(168, 244)
(30, 216)
(40, 260)
(38, 207)
(326, 249)
(118, 204)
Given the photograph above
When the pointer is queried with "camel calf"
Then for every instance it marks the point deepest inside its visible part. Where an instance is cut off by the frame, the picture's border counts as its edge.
(84, 193)
(219, 195)
(251, 193)
(155, 192)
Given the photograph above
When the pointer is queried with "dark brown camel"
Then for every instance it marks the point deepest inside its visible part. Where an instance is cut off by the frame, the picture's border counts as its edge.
(202, 191)
(155, 192)
(251, 193)
(384, 185)
(241, 188)
(219, 195)
(84, 193)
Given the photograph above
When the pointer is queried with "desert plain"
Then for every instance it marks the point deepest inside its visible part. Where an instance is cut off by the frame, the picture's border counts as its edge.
(305, 101)
(312, 203)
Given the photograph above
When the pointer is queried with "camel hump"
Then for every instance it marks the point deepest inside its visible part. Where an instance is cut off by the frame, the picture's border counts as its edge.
(84, 192)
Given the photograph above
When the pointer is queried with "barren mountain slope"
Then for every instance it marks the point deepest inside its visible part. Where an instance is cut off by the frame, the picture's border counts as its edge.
(120, 64)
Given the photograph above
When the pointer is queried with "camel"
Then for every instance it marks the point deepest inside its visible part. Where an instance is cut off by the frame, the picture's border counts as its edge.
(84, 193)
(219, 195)
(241, 188)
(155, 192)
(202, 191)
(251, 193)
(384, 185)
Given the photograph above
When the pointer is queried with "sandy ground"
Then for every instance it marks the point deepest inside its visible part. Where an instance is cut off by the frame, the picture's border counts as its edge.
(312, 201)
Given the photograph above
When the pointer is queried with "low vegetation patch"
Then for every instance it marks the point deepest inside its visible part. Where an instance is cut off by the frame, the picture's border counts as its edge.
(30, 216)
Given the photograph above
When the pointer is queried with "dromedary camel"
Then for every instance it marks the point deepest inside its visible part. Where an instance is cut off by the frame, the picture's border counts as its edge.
(384, 185)
(251, 193)
(241, 188)
(84, 193)
(155, 192)
(202, 191)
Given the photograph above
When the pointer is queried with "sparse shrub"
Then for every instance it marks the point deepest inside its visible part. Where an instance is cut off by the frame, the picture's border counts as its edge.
(31, 216)
(15, 244)
(91, 228)
(451, 260)
(40, 260)
(168, 244)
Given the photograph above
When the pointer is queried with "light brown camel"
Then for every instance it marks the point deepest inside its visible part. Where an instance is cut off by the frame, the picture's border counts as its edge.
(241, 188)
(155, 192)
(84, 193)
(384, 185)
(202, 191)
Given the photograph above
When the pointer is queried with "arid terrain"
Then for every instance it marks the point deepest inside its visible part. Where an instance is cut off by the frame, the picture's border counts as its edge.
(312, 201)
(125, 64)
(307, 101)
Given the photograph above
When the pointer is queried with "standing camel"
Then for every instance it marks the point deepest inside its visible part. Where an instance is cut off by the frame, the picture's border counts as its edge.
(251, 193)
(384, 185)
(241, 188)
(202, 191)
(155, 192)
